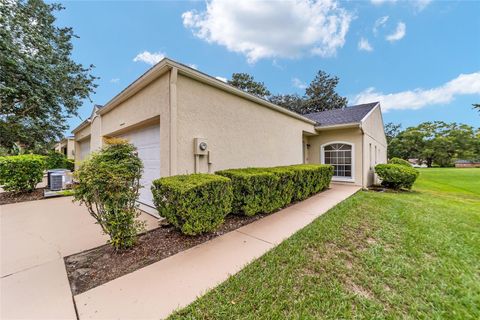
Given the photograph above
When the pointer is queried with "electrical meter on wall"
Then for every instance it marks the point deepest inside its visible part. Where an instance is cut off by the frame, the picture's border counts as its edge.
(200, 146)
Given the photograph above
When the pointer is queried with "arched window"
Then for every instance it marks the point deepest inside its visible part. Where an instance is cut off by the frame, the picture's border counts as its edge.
(340, 156)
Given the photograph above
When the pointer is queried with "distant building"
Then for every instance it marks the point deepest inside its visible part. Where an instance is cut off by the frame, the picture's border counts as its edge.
(417, 163)
(66, 146)
(467, 164)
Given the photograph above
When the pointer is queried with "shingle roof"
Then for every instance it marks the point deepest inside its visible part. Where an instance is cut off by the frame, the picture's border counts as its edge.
(352, 114)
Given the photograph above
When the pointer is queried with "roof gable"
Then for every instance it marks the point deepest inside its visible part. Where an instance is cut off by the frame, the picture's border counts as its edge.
(352, 114)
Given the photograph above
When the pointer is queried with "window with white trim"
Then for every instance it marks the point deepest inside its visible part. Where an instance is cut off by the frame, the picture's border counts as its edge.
(339, 155)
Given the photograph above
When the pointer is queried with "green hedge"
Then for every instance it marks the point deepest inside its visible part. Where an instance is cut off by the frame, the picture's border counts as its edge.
(195, 203)
(21, 173)
(254, 190)
(310, 179)
(396, 176)
(263, 190)
(56, 160)
(400, 162)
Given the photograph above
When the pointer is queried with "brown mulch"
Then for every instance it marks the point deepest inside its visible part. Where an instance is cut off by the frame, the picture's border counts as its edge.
(89, 269)
(14, 197)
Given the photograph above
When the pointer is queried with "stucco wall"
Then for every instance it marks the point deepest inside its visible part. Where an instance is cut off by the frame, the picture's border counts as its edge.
(149, 105)
(70, 148)
(373, 126)
(375, 144)
(240, 133)
(352, 136)
(80, 135)
(96, 138)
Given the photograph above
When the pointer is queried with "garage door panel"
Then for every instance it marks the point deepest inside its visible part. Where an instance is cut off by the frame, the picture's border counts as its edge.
(147, 142)
(84, 149)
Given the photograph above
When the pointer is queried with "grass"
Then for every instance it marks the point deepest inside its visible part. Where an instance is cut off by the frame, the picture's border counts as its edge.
(376, 255)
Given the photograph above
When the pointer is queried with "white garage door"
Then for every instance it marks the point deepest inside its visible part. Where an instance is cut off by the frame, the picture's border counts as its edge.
(147, 141)
(84, 147)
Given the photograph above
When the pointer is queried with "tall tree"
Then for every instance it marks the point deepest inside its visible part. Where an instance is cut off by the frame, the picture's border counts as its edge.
(40, 85)
(293, 102)
(321, 94)
(392, 130)
(476, 106)
(246, 82)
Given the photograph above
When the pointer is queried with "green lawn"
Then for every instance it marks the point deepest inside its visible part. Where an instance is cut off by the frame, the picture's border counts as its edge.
(376, 255)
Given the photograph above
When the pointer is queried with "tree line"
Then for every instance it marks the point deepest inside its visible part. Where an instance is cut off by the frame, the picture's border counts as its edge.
(434, 143)
(319, 95)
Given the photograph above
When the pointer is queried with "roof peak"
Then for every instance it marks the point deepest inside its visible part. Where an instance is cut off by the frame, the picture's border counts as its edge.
(347, 115)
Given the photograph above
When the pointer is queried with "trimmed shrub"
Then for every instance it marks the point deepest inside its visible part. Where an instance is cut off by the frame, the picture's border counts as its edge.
(56, 160)
(194, 203)
(310, 178)
(254, 190)
(263, 190)
(21, 173)
(396, 176)
(108, 185)
(400, 162)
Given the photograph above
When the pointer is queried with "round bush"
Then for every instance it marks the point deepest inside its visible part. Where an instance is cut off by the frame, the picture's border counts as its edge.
(194, 203)
(108, 185)
(400, 162)
(396, 176)
(21, 173)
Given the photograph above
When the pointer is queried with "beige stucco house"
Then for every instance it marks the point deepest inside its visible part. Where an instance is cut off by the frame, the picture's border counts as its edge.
(184, 121)
(66, 146)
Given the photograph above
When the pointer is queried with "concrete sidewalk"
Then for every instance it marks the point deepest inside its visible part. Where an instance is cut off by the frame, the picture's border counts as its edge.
(35, 236)
(157, 290)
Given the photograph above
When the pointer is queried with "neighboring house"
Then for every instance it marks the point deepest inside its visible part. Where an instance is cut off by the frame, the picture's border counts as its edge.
(184, 121)
(467, 164)
(66, 146)
(416, 163)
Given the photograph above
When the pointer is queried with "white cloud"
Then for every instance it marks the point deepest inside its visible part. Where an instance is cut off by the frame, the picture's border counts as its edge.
(418, 98)
(419, 5)
(379, 23)
(399, 32)
(193, 66)
(221, 78)
(149, 57)
(364, 45)
(380, 2)
(297, 83)
(114, 80)
(272, 29)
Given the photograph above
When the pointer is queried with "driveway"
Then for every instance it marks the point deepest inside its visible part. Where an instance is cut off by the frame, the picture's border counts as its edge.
(35, 236)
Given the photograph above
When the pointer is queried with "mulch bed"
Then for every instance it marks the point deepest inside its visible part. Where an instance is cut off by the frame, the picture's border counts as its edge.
(89, 269)
(14, 197)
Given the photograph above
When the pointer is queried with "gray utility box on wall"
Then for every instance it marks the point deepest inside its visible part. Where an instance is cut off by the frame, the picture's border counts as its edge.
(200, 146)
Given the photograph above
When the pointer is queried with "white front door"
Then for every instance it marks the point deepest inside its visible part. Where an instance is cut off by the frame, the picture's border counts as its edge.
(147, 141)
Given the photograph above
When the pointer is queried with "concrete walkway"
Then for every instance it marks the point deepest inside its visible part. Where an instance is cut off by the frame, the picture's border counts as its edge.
(157, 290)
(35, 236)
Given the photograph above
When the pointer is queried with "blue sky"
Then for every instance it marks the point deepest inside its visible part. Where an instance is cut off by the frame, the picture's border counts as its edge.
(420, 58)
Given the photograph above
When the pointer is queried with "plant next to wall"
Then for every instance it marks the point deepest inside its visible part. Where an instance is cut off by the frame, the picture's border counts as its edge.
(108, 185)
(195, 203)
(21, 173)
(400, 161)
(396, 176)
